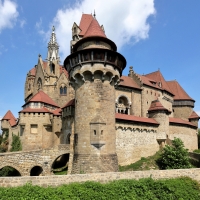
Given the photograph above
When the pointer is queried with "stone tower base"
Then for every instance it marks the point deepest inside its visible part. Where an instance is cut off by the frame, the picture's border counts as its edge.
(84, 163)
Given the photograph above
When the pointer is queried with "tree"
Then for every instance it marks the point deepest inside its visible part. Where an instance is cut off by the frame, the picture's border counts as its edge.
(174, 156)
(16, 143)
(198, 136)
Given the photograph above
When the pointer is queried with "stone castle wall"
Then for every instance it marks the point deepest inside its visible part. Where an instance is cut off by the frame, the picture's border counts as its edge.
(186, 134)
(135, 141)
(99, 177)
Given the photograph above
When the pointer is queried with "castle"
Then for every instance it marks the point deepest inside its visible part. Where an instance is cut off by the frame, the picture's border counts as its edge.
(107, 118)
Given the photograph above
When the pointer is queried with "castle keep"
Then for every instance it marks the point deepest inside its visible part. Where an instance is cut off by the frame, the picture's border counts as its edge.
(107, 119)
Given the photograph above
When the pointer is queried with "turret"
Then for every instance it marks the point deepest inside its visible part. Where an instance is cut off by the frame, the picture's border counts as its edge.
(94, 69)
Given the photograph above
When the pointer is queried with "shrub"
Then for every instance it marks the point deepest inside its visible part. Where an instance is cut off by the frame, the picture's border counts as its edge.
(16, 143)
(174, 157)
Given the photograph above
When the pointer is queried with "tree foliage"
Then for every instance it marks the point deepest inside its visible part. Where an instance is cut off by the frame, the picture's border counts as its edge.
(174, 156)
(16, 143)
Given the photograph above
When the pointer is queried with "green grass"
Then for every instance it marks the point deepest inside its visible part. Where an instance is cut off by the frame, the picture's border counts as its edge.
(143, 189)
(196, 151)
(64, 172)
(148, 163)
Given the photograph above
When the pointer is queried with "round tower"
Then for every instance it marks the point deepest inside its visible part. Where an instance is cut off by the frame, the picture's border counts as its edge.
(94, 69)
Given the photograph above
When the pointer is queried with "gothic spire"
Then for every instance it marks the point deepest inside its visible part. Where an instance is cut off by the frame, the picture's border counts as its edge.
(53, 48)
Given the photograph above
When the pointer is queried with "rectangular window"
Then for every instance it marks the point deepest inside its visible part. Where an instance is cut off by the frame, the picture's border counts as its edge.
(34, 128)
(22, 127)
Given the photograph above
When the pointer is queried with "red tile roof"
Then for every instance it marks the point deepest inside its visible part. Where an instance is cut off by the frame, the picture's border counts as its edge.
(69, 103)
(136, 119)
(128, 82)
(10, 117)
(156, 105)
(194, 116)
(57, 112)
(180, 121)
(42, 97)
(32, 71)
(160, 81)
(86, 19)
(94, 29)
(149, 82)
(63, 70)
(178, 91)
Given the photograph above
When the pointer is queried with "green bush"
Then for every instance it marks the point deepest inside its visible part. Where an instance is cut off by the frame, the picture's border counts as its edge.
(144, 189)
(174, 156)
(16, 143)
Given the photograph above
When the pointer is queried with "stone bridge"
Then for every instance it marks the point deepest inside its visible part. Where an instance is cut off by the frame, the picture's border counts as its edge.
(25, 161)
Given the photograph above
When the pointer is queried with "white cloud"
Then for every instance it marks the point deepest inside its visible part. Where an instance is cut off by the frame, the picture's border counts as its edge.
(124, 21)
(22, 23)
(8, 14)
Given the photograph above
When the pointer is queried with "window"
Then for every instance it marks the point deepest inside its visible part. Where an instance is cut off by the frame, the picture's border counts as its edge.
(22, 130)
(95, 132)
(34, 128)
(39, 83)
(52, 68)
(63, 90)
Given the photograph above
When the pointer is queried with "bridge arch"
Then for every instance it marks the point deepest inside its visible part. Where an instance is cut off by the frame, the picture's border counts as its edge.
(18, 171)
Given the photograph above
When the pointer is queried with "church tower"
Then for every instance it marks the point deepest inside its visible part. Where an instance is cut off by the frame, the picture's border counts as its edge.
(94, 69)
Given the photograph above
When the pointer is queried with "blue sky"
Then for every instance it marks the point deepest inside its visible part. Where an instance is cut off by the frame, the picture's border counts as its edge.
(151, 34)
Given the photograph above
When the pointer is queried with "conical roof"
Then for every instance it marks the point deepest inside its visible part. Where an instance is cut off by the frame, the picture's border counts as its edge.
(194, 115)
(94, 29)
(156, 105)
(10, 117)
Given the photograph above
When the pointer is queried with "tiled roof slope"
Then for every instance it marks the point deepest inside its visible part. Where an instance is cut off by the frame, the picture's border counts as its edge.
(69, 103)
(135, 119)
(194, 116)
(178, 91)
(128, 82)
(94, 29)
(10, 117)
(147, 81)
(180, 121)
(158, 77)
(42, 97)
(86, 19)
(156, 105)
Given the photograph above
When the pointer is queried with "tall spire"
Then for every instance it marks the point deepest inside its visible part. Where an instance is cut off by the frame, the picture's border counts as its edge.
(53, 48)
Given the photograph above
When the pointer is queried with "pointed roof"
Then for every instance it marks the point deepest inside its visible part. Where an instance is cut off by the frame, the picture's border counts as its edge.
(42, 97)
(86, 19)
(178, 91)
(94, 29)
(10, 117)
(194, 115)
(160, 81)
(156, 105)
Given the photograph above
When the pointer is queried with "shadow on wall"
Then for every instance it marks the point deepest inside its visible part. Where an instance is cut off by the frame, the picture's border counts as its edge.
(9, 171)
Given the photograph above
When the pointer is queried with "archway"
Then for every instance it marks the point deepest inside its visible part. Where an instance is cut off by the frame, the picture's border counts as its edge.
(9, 171)
(36, 171)
(60, 164)
(123, 105)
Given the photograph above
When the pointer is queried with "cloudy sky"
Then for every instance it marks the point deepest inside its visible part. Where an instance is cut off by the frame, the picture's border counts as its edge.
(151, 34)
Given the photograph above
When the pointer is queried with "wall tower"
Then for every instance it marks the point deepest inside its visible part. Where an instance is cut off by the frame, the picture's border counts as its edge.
(95, 68)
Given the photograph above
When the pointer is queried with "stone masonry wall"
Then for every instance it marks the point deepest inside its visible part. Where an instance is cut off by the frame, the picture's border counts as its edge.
(186, 134)
(99, 177)
(135, 141)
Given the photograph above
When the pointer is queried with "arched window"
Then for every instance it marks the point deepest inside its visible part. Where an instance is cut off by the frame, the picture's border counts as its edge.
(63, 90)
(39, 83)
(123, 105)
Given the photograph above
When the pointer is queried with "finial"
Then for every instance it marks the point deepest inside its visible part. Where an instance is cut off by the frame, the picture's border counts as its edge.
(53, 28)
(94, 14)
(39, 55)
